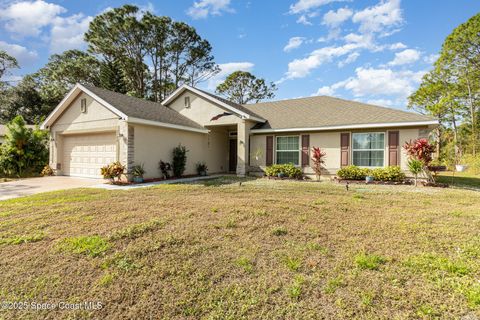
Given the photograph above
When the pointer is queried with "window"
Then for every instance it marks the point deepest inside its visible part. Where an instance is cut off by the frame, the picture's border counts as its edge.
(83, 105)
(187, 102)
(288, 150)
(368, 149)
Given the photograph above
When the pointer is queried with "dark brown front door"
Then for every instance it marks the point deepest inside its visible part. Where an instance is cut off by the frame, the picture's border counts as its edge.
(232, 163)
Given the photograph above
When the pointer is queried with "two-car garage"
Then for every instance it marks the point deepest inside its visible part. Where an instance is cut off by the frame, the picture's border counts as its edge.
(85, 154)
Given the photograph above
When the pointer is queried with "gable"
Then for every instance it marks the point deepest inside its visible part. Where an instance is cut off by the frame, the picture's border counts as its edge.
(202, 110)
(96, 115)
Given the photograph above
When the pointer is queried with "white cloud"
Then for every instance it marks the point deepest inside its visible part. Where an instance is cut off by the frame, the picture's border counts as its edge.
(431, 58)
(203, 8)
(325, 91)
(380, 82)
(304, 18)
(300, 68)
(22, 54)
(382, 102)
(397, 46)
(333, 19)
(306, 5)
(27, 18)
(352, 57)
(405, 57)
(67, 33)
(225, 70)
(293, 43)
(379, 18)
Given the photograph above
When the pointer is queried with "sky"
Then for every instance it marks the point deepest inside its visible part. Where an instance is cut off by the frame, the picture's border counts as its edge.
(366, 50)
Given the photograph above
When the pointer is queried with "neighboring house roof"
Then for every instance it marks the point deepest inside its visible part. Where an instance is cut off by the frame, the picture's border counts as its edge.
(143, 109)
(328, 113)
(231, 106)
(131, 109)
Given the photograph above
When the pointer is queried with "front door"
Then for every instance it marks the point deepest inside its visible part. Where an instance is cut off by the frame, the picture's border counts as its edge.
(232, 162)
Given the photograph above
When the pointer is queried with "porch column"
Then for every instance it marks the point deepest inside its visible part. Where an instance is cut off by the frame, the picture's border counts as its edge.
(243, 133)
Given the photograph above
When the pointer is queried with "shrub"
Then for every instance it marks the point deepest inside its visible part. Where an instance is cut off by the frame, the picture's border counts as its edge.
(420, 149)
(179, 160)
(318, 158)
(165, 168)
(288, 170)
(24, 150)
(473, 163)
(138, 170)
(113, 170)
(47, 171)
(353, 173)
(416, 167)
(390, 173)
(201, 168)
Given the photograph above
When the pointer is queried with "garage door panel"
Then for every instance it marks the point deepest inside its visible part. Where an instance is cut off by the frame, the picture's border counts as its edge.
(84, 155)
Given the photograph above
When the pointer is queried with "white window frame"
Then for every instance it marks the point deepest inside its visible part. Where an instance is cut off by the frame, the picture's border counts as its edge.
(299, 148)
(383, 149)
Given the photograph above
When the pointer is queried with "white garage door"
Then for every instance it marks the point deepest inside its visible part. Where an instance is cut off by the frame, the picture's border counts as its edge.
(84, 155)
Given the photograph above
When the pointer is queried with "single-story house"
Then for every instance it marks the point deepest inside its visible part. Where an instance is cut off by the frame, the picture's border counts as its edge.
(92, 127)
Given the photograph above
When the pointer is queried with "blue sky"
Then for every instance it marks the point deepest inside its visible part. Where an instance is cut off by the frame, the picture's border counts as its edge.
(370, 51)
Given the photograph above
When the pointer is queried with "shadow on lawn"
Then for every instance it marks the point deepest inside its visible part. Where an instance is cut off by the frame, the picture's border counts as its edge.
(461, 181)
(225, 180)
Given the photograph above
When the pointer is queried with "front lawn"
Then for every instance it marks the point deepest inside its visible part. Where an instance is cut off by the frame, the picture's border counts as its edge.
(460, 179)
(258, 249)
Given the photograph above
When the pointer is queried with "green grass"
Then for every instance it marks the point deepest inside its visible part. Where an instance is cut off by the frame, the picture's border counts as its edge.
(459, 179)
(369, 261)
(89, 245)
(264, 248)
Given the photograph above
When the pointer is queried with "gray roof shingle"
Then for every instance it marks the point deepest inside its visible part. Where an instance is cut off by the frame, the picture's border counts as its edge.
(143, 109)
(323, 111)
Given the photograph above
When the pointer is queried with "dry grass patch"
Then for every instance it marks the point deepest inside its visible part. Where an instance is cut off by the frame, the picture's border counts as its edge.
(222, 249)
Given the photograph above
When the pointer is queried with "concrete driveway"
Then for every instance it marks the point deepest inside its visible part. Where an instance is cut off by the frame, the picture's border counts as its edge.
(25, 187)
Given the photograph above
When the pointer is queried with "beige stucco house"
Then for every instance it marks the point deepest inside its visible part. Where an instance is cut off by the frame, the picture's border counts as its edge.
(92, 127)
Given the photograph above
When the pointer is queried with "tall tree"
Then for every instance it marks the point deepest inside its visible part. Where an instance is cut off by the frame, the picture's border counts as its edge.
(155, 53)
(111, 77)
(63, 71)
(243, 87)
(460, 54)
(6, 62)
(118, 35)
(23, 99)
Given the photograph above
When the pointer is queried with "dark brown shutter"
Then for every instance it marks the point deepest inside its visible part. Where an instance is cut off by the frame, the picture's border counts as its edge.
(305, 149)
(269, 155)
(393, 148)
(345, 149)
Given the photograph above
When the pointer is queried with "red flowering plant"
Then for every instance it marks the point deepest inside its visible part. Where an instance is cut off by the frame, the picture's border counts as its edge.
(318, 158)
(420, 150)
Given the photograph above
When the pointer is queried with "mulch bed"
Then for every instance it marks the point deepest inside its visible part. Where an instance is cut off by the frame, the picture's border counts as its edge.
(126, 183)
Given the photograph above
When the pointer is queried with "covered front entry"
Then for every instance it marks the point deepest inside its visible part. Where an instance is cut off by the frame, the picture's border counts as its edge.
(232, 156)
(85, 154)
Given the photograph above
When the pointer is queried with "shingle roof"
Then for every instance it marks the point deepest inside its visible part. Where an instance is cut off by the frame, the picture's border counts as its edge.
(143, 109)
(232, 104)
(326, 111)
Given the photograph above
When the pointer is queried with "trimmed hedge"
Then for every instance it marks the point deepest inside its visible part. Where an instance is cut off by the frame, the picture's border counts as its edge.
(391, 173)
(353, 173)
(289, 170)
